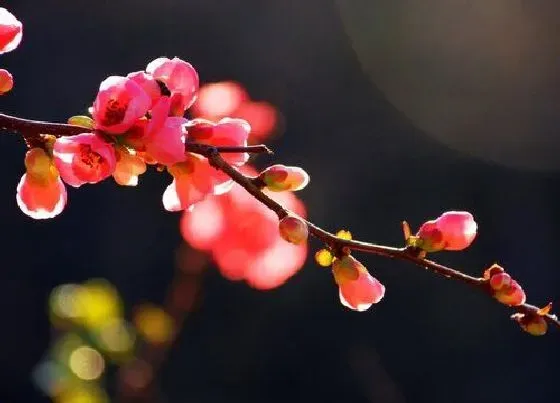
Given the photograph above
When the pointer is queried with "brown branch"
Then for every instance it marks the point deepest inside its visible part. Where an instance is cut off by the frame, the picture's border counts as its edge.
(31, 129)
(336, 243)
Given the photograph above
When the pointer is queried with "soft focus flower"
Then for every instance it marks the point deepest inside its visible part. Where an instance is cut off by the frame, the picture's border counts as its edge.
(11, 31)
(358, 289)
(217, 100)
(279, 178)
(84, 158)
(242, 236)
(453, 230)
(40, 192)
(6, 81)
(228, 98)
(226, 132)
(129, 166)
(120, 102)
(293, 229)
(180, 78)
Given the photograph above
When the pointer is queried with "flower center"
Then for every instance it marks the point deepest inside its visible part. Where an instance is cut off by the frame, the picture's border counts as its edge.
(114, 113)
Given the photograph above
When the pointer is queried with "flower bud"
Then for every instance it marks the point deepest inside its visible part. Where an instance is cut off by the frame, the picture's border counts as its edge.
(500, 280)
(293, 229)
(6, 81)
(279, 178)
(506, 290)
(358, 289)
(535, 325)
(453, 230)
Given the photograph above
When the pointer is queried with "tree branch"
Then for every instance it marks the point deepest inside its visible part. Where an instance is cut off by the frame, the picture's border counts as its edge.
(32, 129)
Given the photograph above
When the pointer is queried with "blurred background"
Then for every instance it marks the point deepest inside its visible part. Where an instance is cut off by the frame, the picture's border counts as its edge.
(398, 109)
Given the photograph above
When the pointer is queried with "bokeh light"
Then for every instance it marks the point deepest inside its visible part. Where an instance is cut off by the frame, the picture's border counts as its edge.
(86, 363)
(154, 324)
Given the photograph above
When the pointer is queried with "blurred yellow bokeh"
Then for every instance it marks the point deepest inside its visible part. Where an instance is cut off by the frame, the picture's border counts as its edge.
(86, 363)
(91, 304)
(82, 393)
(116, 337)
(154, 324)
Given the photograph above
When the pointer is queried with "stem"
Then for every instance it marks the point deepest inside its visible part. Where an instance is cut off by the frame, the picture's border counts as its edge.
(32, 130)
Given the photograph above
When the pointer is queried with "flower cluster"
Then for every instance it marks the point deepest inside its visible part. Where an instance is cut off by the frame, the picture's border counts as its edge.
(136, 120)
(243, 236)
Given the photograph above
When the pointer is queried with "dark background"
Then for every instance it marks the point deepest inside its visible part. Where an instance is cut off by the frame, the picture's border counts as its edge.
(375, 158)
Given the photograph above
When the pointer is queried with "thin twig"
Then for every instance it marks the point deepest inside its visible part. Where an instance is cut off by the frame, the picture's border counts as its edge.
(31, 128)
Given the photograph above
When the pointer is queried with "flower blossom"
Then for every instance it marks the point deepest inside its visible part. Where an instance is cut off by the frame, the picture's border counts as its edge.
(180, 78)
(84, 158)
(120, 102)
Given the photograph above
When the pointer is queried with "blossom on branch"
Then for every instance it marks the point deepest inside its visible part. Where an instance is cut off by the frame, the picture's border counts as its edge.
(180, 79)
(453, 231)
(84, 158)
(279, 178)
(358, 290)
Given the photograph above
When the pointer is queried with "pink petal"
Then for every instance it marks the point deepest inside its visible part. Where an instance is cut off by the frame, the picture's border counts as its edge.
(41, 200)
(11, 31)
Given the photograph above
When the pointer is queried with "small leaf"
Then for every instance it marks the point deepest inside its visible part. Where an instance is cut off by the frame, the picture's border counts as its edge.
(406, 230)
(81, 120)
(545, 310)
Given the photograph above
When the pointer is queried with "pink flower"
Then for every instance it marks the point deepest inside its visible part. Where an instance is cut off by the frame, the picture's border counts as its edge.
(6, 81)
(164, 139)
(358, 290)
(84, 158)
(120, 102)
(180, 78)
(226, 132)
(11, 31)
(453, 230)
(193, 180)
(148, 84)
(40, 192)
